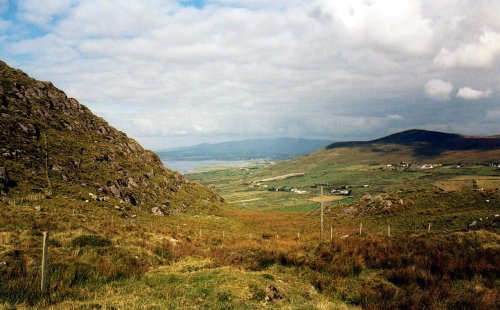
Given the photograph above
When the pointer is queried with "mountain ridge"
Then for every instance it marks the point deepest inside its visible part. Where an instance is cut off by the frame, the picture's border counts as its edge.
(428, 143)
(273, 148)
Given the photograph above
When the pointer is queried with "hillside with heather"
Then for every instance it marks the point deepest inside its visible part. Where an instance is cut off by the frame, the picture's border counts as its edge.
(416, 146)
(52, 145)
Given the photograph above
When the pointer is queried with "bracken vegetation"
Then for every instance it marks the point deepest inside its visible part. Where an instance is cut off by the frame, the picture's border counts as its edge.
(97, 262)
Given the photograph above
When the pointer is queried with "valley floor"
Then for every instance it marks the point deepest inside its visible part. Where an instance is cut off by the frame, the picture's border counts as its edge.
(266, 253)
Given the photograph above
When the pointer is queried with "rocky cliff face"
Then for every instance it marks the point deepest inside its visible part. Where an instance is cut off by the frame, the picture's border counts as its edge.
(52, 144)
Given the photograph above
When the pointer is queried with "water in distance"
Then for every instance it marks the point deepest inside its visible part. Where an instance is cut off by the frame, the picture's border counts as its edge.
(189, 166)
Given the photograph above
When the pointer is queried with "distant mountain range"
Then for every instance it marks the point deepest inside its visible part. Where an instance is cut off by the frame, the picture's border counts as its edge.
(276, 149)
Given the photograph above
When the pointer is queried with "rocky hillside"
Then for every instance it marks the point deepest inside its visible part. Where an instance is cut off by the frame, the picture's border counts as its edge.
(51, 145)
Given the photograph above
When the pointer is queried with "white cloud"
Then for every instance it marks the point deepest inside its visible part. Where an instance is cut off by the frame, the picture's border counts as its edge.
(254, 67)
(275, 4)
(115, 18)
(478, 54)
(394, 116)
(42, 13)
(472, 94)
(388, 24)
(438, 90)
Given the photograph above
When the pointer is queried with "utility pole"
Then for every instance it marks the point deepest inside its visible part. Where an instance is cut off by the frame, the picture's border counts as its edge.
(321, 213)
(47, 163)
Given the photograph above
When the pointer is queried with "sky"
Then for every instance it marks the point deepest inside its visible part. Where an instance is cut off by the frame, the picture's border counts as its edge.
(176, 73)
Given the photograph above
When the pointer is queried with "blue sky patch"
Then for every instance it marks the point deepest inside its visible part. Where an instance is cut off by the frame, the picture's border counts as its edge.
(199, 4)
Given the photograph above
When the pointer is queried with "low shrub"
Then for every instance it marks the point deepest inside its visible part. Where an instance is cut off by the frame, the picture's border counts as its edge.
(91, 241)
(165, 252)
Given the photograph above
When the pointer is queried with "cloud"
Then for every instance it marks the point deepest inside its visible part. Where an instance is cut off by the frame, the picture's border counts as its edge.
(472, 94)
(479, 54)
(394, 116)
(116, 18)
(387, 24)
(255, 4)
(438, 90)
(493, 114)
(4, 25)
(43, 13)
(161, 70)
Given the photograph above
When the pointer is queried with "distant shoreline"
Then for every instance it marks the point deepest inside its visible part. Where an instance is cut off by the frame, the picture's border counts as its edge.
(191, 166)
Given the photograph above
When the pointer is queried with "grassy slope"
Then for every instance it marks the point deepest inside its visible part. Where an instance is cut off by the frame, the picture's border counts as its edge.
(140, 268)
(238, 255)
(443, 197)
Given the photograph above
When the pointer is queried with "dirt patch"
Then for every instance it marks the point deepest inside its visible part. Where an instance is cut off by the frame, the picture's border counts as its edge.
(281, 177)
(463, 183)
(327, 198)
(245, 200)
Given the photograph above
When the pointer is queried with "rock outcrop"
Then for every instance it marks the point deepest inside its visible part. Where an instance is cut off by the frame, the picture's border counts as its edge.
(375, 205)
(51, 143)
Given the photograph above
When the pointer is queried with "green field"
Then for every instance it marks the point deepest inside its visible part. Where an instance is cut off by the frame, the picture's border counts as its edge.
(237, 187)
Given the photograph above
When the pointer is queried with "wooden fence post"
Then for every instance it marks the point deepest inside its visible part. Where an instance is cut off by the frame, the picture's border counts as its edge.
(331, 233)
(360, 228)
(388, 230)
(429, 228)
(45, 263)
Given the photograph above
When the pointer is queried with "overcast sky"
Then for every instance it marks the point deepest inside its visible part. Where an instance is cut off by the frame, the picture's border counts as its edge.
(173, 73)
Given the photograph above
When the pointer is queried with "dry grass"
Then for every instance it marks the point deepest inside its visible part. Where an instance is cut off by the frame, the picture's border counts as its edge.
(237, 255)
(461, 183)
(326, 198)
